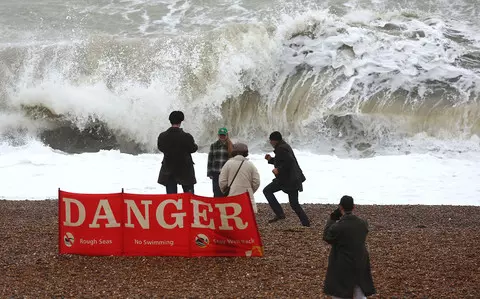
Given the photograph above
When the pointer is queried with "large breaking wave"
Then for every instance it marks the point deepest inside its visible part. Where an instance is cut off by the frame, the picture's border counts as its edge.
(360, 82)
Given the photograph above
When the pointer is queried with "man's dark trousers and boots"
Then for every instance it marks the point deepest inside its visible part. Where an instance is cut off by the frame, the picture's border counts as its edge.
(269, 191)
(288, 178)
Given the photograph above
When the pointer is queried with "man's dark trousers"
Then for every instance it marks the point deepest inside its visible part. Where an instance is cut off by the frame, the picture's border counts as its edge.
(215, 186)
(273, 187)
(171, 187)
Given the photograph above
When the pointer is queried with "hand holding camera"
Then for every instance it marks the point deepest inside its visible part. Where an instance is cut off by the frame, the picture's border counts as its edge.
(336, 215)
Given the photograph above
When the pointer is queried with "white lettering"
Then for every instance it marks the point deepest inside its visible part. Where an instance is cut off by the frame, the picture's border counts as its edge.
(159, 242)
(93, 242)
(68, 212)
(89, 242)
(197, 214)
(202, 212)
(104, 205)
(237, 209)
(143, 220)
(177, 216)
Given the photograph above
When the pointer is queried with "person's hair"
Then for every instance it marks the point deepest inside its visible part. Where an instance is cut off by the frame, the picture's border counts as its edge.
(242, 153)
(176, 117)
(276, 136)
(240, 149)
(230, 147)
(347, 203)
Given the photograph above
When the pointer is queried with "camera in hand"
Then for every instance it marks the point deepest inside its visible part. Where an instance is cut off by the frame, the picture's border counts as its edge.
(336, 215)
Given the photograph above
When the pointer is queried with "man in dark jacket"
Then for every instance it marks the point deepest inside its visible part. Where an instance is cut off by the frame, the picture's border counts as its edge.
(177, 165)
(288, 178)
(348, 274)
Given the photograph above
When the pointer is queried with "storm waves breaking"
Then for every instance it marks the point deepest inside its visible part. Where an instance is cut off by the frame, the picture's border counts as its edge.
(359, 83)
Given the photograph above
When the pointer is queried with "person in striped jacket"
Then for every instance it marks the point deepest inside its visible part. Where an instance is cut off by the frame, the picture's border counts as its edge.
(220, 152)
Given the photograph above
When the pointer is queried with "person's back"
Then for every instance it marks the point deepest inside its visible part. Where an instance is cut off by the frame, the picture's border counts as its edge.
(350, 242)
(246, 180)
(348, 270)
(247, 177)
(292, 178)
(177, 147)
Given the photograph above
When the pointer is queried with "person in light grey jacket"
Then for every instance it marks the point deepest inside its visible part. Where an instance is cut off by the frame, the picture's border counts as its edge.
(247, 179)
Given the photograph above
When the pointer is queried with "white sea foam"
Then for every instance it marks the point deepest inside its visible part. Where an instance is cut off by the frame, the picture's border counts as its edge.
(36, 172)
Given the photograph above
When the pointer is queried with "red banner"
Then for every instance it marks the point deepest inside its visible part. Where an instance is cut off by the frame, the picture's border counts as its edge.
(163, 225)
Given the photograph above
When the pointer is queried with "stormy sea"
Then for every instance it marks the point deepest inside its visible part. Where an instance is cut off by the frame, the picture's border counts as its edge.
(380, 99)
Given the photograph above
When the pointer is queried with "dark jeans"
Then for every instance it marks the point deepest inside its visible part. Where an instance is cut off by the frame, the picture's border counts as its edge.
(292, 198)
(171, 187)
(215, 186)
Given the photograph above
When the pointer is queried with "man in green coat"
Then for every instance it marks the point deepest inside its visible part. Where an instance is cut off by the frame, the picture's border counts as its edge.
(348, 272)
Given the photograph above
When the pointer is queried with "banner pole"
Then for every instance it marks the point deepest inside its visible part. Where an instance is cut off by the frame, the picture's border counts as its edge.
(123, 224)
(190, 219)
(59, 219)
(262, 253)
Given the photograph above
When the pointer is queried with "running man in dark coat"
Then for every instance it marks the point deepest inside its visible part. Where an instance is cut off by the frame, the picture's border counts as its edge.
(177, 165)
(288, 178)
(348, 274)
